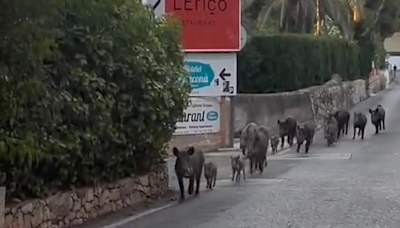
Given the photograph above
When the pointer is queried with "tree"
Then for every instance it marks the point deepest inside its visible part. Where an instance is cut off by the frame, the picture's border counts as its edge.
(90, 92)
(300, 15)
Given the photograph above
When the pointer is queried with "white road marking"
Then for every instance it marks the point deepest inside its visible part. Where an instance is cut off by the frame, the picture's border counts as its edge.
(138, 216)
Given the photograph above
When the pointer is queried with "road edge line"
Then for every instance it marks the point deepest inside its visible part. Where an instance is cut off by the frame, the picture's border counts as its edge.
(138, 216)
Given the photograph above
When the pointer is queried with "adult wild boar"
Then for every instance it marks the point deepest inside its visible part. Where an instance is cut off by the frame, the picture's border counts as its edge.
(342, 117)
(247, 136)
(188, 164)
(257, 150)
(378, 118)
(331, 130)
(263, 134)
(305, 133)
(359, 122)
(287, 128)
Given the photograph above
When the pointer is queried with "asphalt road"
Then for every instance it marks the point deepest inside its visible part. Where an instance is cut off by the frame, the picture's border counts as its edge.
(351, 185)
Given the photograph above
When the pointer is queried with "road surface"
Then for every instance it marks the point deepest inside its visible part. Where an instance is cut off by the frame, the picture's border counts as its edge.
(351, 185)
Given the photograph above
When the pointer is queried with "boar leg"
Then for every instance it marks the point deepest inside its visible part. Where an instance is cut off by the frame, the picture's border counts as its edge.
(251, 165)
(191, 183)
(362, 132)
(307, 146)
(198, 177)
(215, 180)
(298, 147)
(181, 187)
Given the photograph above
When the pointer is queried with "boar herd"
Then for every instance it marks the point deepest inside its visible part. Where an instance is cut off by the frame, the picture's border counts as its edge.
(337, 123)
(254, 142)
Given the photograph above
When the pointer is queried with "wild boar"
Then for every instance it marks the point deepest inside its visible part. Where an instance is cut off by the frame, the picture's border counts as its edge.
(305, 133)
(257, 151)
(287, 128)
(210, 173)
(359, 122)
(378, 118)
(274, 143)
(238, 166)
(188, 164)
(247, 136)
(342, 118)
(331, 130)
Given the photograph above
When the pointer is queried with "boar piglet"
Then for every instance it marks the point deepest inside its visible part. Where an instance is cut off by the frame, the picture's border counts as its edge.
(331, 130)
(210, 173)
(238, 167)
(274, 143)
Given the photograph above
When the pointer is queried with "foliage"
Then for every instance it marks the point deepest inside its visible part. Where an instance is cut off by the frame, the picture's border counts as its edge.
(288, 62)
(300, 16)
(90, 92)
(381, 20)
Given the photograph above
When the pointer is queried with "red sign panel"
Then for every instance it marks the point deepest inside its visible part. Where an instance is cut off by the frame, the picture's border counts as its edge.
(208, 25)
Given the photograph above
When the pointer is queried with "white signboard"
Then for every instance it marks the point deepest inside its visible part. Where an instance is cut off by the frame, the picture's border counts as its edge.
(157, 5)
(202, 116)
(212, 74)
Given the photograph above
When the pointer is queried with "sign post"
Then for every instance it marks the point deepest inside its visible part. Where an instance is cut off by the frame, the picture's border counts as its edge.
(2, 205)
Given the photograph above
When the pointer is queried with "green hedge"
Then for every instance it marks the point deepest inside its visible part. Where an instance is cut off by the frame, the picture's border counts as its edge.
(288, 62)
(92, 96)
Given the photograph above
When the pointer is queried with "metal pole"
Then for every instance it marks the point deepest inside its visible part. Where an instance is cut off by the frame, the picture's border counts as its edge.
(2, 206)
(232, 121)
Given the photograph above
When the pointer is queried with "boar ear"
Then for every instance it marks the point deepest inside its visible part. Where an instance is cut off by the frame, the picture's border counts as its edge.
(190, 150)
(279, 121)
(370, 111)
(175, 151)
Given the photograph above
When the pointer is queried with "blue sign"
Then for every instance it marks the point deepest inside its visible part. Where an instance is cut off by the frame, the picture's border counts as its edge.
(212, 115)
(201, 74)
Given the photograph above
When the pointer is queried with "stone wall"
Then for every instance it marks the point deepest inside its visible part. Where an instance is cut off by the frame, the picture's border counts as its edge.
(74, 207)
(328, 98)
(309, 104)
(266, 109)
